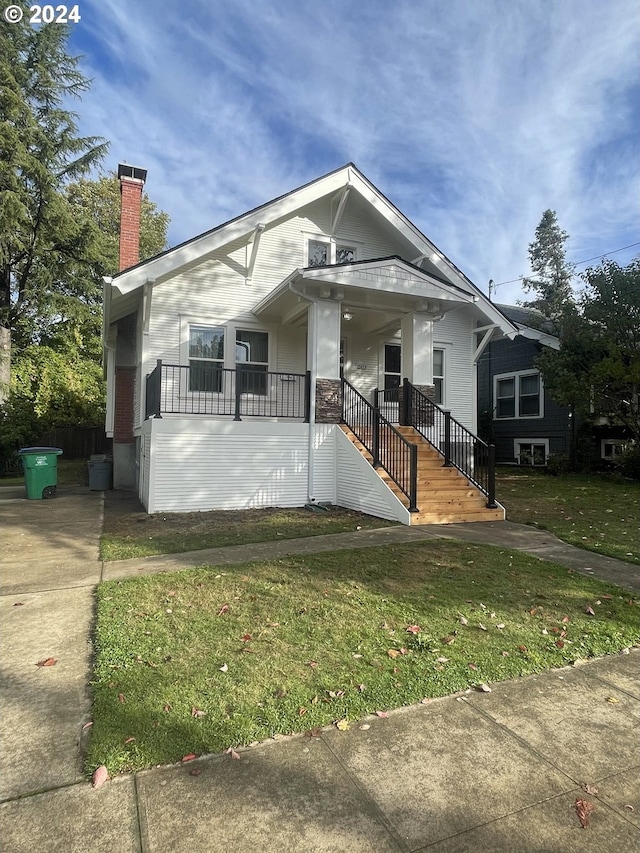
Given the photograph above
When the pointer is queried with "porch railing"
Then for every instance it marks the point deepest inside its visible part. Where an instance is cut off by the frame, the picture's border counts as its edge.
(459, 447)
(389, 448)
(173, 389)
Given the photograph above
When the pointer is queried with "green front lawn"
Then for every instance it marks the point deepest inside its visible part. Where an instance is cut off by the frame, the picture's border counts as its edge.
(142, 535)
(599, 513)
(206, 659)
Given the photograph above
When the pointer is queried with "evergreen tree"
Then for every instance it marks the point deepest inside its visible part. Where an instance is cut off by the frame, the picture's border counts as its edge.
(551, 280)
(40, 151)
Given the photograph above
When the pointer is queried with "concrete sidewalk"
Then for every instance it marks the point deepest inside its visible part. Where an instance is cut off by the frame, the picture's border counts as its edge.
(494, 772)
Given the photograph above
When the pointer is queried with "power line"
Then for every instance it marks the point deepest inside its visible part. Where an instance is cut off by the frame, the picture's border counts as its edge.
(575, 263)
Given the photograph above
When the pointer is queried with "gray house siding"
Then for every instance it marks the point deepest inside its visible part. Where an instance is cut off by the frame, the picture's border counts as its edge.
(507, 357)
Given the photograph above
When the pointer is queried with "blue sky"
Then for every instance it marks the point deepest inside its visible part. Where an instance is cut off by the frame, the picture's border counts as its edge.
(472, 116)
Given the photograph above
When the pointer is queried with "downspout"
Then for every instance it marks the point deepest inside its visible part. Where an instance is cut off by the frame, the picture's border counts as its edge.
(313, 367)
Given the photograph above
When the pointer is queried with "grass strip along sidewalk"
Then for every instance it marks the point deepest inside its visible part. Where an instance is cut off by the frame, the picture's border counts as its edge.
(206, 659)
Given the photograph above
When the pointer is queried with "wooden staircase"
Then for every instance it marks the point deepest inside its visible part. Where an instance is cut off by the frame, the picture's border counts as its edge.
(445, 496)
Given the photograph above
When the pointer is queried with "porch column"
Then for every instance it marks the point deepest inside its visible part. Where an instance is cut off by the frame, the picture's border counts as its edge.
(323, 358)
(416, 363)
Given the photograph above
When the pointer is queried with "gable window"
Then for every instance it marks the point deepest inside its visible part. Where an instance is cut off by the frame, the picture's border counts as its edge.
(206, 358)
(345, 254)
(518, 395)
(321, 253)
(252, 361)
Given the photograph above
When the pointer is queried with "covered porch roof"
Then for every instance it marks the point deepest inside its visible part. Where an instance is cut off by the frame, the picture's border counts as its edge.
(374, 295)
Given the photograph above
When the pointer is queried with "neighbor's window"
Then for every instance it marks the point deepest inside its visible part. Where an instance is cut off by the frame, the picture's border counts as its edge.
(518, 395)
(610, 448)
(531, 453)
(252, 361)
(206, 358)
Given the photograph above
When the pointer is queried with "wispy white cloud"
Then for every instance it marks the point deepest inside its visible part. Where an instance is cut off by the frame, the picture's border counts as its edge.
(472, 117)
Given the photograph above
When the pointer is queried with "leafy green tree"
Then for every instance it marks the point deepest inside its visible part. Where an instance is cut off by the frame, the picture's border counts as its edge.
(40, 151)
(597, 369)
(552, 274)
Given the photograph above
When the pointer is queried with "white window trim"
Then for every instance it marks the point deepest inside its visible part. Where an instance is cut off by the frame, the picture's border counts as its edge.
(446, 348)
(516, 375)
(519, 441)
(619, 442)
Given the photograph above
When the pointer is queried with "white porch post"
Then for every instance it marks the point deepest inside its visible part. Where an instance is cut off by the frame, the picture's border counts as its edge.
(323, 344)
(417, 349)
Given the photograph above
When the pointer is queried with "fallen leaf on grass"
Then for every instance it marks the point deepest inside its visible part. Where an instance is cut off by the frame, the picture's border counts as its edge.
(472, 666)
(481, 626)
(484, 688)
(448, 640)
(313, 664)
(224, 609)
(166, 708)
(560, 644)
(382, 713)
(231, 751)
(522, 648)
(393, 653)
(87, 725)
(223, 668)
(47, 662)
(356, 657)
(589, 611)
(505, 654)
(501, 625)
(361, 688)
(100, 776)
(121, 698)
(342, 725)
(442, 660)
(413, 629)
(302, 712)
(336, 694)
(189, 756)
(463, 620)
(583, 810)
(129, 740)
(246, 638)
(196, 712)
(590, 789)
(566, 619)
(316, 731)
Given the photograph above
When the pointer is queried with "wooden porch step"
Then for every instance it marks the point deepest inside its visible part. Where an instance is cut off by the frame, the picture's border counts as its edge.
(444, 495)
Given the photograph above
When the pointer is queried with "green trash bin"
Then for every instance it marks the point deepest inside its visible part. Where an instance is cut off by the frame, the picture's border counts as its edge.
(40, 466)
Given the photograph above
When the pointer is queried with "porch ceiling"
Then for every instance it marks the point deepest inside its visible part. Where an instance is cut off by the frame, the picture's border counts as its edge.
(376, 293)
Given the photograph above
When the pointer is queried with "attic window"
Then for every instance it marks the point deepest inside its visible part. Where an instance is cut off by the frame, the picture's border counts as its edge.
(319, 254)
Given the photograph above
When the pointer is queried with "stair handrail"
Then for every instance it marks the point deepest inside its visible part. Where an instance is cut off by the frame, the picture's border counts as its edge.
(393, 452)
(452, 440)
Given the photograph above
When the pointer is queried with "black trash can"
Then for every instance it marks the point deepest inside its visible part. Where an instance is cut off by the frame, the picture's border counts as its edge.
(100, 469)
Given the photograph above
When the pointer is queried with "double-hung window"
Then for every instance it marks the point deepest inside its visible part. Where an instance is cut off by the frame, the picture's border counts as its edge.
(518, 395)
(252, 361)
(206, 358)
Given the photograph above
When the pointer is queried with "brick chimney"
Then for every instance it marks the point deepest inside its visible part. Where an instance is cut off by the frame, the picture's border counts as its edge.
(131, 183)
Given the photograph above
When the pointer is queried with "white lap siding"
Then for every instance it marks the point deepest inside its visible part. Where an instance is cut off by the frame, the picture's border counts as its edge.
(209, 464)
(360, 488)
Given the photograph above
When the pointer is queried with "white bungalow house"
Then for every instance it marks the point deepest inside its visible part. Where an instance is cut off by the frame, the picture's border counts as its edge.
(316, 349)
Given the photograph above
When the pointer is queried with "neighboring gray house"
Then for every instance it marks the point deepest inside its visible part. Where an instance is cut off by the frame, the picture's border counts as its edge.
(514, 410)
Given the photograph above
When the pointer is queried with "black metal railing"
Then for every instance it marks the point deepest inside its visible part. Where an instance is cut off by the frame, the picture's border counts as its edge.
(387, 400)
(389, 449)
(459, 447)
(209, 389)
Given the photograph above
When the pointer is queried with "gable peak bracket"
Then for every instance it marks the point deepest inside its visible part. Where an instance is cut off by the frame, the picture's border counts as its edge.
(254, 242)
(342, 200)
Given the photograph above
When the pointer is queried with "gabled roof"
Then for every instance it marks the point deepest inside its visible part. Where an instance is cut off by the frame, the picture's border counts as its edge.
(532, 324)
(199, 248)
